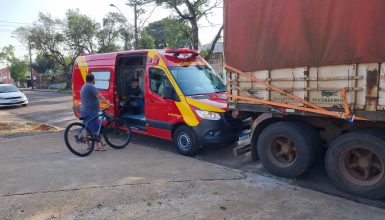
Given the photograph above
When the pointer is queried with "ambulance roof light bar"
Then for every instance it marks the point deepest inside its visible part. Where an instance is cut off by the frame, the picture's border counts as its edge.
(177, 52)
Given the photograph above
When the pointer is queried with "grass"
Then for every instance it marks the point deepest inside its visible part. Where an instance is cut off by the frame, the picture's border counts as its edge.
(65, 90)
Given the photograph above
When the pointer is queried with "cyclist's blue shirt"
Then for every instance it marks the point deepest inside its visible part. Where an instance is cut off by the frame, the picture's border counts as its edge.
(90, 103)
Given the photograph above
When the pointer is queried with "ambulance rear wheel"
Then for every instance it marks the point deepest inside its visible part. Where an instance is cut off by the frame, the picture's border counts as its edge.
(185, 141)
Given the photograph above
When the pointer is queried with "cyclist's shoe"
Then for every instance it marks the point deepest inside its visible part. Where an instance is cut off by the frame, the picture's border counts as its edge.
(98, 138)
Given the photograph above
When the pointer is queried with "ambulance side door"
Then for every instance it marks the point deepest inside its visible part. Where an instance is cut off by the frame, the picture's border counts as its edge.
(161, 114)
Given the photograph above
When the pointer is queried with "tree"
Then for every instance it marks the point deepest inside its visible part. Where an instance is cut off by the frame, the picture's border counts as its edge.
(146, 41)
(79, 31)
(7, 54)
(217, 37)
(114, 27)
(139, 10)
(44, 64)
(19, 69)
(47, 66)
(62, 40)
(195, 11)
(169, 33)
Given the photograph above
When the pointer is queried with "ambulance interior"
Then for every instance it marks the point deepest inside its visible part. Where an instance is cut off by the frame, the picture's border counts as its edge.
(130, 73)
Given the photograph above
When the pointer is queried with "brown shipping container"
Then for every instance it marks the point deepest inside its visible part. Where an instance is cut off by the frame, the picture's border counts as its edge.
(310, 48)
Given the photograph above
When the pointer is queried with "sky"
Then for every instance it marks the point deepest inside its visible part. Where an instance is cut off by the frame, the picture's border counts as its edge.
(15, 13)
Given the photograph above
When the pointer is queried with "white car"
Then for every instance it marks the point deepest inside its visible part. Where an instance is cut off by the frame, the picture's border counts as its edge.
(10, 95)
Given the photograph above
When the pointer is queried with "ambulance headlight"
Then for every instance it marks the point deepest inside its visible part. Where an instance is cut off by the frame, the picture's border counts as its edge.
(208, 115)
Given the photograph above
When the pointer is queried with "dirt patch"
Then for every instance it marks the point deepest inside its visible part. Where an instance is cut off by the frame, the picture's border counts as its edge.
(17, 127)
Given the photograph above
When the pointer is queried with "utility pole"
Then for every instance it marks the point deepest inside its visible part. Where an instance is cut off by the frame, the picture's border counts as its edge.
(136, 34)
(136, 28)
(30, 59)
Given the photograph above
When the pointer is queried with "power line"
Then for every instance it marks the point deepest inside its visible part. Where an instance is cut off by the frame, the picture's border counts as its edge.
(10, 25)
(7, 30)
(14, 22)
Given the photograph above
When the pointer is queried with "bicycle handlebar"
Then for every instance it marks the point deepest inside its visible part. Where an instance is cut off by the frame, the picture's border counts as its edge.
(105, 109)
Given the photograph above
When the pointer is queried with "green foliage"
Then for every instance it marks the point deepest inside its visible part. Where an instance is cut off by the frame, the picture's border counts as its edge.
(114, 28)
(191, 11)
(47, 37)
(44, 64)
(79, 31)
(146, 41)
(169, 33)
(204, 53)
(138, 2)
(7, 54)
(18, 69)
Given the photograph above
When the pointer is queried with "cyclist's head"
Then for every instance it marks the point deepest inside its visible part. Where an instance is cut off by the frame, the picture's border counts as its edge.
(90, 78)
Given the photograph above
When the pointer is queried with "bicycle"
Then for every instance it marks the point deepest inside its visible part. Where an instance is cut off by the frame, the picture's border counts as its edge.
(81, 141)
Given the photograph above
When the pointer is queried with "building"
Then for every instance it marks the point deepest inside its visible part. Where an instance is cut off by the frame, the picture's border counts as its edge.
(5, 76)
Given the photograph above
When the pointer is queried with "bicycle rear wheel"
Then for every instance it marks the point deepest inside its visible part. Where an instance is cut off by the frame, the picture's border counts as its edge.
(79, 139)
(117, 133)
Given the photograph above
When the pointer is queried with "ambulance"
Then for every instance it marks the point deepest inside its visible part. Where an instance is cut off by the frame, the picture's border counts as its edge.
(171, 94)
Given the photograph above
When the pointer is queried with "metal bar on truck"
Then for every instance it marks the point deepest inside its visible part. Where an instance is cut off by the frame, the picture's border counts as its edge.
(299, 99)
(317, 111)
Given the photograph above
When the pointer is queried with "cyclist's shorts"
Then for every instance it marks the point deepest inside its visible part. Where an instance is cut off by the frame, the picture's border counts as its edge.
(93, 125)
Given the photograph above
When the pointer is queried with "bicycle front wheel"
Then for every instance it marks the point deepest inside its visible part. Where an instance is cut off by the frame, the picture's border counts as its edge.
(117, 133)
(79, 139)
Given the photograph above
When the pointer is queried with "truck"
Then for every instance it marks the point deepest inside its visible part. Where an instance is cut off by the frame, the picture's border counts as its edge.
(311, 74)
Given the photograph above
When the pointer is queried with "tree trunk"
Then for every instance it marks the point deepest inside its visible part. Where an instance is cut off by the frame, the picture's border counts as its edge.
(195, 33)
(213, 44)
(136, 27)
(68, 74)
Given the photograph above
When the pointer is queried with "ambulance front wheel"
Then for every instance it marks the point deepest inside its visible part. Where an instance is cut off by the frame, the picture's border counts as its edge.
(185, 141)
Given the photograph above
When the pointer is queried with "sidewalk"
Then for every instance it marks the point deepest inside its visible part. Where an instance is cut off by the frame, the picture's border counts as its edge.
(41, 179)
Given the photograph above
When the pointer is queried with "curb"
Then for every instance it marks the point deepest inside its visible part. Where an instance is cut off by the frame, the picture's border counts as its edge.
(47, 90)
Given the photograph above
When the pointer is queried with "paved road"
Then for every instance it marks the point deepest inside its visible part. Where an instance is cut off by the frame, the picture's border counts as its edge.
(46, 107)
(41, 179)
(56, 108)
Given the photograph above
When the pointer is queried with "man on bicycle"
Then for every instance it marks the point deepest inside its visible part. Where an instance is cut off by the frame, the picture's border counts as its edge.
(90, 99)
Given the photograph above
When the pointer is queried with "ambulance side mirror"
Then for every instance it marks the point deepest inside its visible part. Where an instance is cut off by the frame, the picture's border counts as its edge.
(169, 93)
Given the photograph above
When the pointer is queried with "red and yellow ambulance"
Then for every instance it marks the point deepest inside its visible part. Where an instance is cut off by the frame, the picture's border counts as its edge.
(171, 94)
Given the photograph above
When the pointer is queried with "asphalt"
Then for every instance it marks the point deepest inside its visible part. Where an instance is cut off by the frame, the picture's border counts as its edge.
(41, 179)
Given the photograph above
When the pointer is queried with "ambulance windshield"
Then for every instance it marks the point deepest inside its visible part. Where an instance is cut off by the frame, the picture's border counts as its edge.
(196, 80)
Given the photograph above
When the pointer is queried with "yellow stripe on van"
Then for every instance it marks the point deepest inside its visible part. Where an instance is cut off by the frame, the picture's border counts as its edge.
(187, 113)
(183, 107)
(203, 106)
(83, 67)
(151, 54)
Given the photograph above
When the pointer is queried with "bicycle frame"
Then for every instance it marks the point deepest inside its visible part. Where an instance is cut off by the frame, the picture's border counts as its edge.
(102, 117)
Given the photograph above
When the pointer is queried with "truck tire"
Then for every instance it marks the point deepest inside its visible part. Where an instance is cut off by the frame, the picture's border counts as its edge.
(355, 163)
(315, 138)
(185, 141)
(285, 149)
